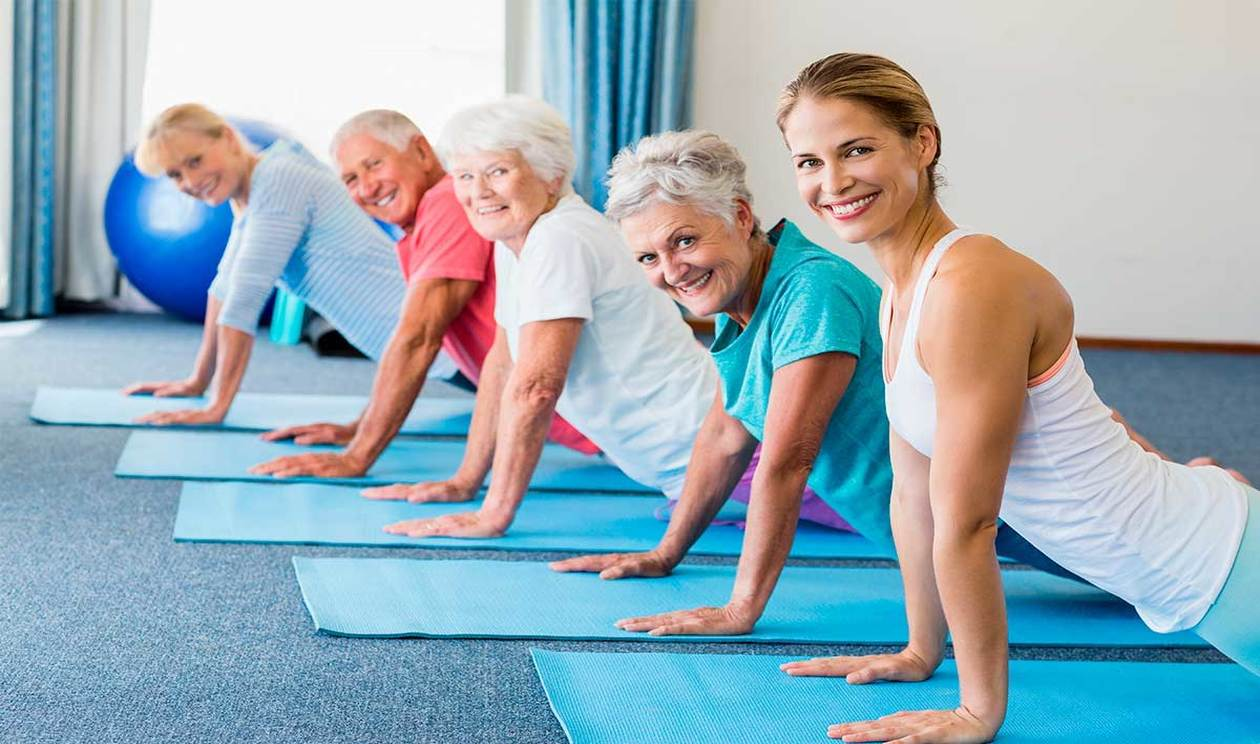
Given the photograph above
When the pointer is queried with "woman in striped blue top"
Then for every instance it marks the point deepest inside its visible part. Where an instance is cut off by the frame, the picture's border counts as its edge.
(294, 226)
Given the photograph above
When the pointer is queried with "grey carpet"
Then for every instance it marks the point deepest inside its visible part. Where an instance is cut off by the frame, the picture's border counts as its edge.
(111, 632)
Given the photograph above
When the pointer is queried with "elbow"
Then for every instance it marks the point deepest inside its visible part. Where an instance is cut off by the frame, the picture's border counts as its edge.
(792, 466)
(537, 393)
(960, 535)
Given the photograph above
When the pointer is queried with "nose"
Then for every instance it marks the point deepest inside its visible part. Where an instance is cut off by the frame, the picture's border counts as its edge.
(365, 189)
(672, 269)
(836, 180)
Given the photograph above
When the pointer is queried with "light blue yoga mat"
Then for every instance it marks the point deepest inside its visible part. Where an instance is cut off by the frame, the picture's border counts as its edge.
(520, 599)
(250, 411)
(199, 455)
(551, 521)
(614, 698)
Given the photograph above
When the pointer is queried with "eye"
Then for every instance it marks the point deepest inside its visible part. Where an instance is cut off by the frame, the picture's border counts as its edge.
(348, 180)
(464, 176)
(194, 161)
(498, 171)
(808, 163)
(685, 241)
(173, 175)
(646, 259)
(858, 151)
(373, 163)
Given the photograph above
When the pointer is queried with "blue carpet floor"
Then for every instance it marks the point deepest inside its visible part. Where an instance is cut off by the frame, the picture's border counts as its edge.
(111, 632)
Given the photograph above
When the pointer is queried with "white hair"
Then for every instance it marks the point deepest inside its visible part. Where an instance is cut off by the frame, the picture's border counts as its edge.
(528, 126)
(693, 168)
(385, 125)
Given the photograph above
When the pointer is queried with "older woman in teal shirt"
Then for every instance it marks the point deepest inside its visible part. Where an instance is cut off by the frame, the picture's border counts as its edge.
(799, 354)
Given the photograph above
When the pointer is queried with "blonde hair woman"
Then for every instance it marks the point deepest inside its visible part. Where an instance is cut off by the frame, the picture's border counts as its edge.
(295, 226)
(992, 414)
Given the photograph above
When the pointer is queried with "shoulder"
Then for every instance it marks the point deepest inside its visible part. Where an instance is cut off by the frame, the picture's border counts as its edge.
(284, 177)
(571, 228)
(982, 274)
(985, 294)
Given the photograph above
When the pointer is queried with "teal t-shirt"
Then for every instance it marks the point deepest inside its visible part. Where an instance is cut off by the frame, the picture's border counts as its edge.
(813, 302)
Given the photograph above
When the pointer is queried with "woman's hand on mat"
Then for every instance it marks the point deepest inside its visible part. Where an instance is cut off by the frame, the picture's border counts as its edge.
(189, 388)
(448, 491)
(185, 417)
(730, 619)
(316, 464)
(619, 565)
(463, 524)
(321, 433)
(905, 666)
(958, 726)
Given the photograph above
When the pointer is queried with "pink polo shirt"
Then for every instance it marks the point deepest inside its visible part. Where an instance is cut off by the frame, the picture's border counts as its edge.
(443, 245)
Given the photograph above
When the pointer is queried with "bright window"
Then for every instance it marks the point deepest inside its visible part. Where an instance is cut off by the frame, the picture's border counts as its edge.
(308, 66)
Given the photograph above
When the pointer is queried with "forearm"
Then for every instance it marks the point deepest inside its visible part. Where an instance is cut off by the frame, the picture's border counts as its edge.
(711, 477)
(203, 366)
(970, 588)
(523, 422)
(773, 510)
(398, 382)
(234, 349)
(912, 533)
(484, 430)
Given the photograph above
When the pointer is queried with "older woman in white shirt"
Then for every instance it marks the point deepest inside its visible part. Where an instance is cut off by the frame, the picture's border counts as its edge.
(581, 331)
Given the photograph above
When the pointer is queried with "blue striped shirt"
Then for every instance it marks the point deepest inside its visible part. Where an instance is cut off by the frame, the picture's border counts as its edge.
(301, 230)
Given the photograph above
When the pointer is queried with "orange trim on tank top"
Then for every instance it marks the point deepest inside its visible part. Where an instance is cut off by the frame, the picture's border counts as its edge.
(1054, 368)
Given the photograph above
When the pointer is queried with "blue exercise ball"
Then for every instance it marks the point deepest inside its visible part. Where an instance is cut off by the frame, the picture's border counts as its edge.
(168, 244)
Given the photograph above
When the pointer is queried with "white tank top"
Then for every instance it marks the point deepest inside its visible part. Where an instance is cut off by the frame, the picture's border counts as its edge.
(1160, 535)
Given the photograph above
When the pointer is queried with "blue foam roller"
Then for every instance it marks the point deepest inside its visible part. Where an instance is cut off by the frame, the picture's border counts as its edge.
(611, 698)
(518, 599)
(226, 455)
(548, 521)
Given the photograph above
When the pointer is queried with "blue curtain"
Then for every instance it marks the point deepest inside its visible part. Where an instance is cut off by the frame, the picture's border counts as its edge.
(617, 70)
(34, 158)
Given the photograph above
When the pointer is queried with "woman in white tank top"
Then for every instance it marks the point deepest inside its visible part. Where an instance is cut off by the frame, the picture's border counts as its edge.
(993, 415)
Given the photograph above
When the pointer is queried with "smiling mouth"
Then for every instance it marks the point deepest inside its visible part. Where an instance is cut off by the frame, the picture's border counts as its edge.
(850, 209)
(386, 200)
(491, 210)
(691, 288)
(207, 189)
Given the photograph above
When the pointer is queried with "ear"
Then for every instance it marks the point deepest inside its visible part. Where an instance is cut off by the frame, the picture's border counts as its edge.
(744, 219)
(555, 185)
(419, 146)
(928, 143)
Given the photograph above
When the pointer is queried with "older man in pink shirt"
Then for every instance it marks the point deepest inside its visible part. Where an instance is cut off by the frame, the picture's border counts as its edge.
(393, 174)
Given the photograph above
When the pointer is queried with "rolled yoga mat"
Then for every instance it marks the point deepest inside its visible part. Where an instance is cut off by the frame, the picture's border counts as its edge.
(225, 455)
(431, 416)
(613, 698)
(523, 599)
(578, 522)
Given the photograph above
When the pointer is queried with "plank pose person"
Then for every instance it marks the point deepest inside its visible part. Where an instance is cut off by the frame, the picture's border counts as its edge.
(797, 350)
(294, 226)
(993, 415)
(391, 172)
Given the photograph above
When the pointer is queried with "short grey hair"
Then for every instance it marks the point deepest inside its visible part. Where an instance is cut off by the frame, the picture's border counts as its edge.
(529, 126)
(692, 167)
(385, 125)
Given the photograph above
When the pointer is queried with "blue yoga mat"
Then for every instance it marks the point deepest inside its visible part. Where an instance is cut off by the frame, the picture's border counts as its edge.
(430, 416)
(199, 455)
(519, 599)
(578, 522)
(611, 698)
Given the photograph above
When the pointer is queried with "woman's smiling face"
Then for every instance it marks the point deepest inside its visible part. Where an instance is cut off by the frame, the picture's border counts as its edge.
(501, 194)
(700, 260)
(856, 173)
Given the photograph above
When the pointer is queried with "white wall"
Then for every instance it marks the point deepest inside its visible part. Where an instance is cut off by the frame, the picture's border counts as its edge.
(6, 147)
(1117, 143)
(308, 66)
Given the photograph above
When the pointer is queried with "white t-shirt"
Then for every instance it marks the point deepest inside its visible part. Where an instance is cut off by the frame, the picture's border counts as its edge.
(639, 385)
